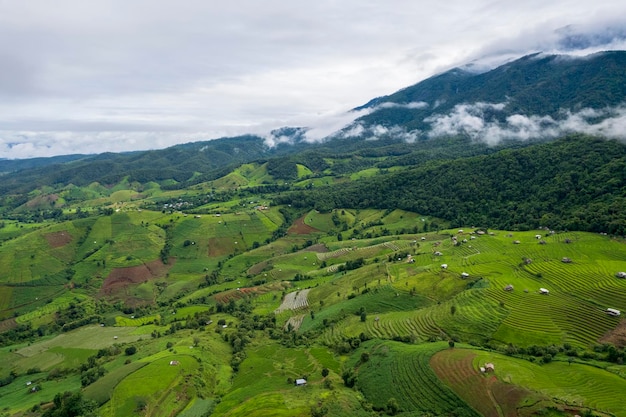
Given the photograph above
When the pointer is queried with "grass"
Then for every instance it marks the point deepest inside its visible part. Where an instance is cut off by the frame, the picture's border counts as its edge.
(417, 301)
(102, 390)
(150, 385)
(18, 397)
(261, 387)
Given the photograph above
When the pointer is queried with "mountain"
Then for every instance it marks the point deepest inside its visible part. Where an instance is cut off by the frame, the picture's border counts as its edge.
(538, 87)
(535, 97)
(362, 276)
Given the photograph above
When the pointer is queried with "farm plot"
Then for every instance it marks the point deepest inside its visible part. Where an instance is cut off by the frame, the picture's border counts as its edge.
(294, 301)
(155, 383)
(484, 392)
(262, 389)
(88, 337)
(403, 372)
(474, 317)
(574, 383)
(294, 322)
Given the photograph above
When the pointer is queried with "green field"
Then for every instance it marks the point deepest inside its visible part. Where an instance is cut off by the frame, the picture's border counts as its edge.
(230, 265)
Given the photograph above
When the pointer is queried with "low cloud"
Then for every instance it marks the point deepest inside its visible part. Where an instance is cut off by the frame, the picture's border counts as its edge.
(376, 132)
(471, 120)
(412, 105)
(30, 144)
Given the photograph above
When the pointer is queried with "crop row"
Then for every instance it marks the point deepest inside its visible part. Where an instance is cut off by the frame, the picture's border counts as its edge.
(418, 385)
(293, 301)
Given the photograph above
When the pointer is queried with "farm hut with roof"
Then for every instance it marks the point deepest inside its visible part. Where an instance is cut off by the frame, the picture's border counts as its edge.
(508, 288)
(543, 291)
(613, 312)
(300, 382)
(621, 275)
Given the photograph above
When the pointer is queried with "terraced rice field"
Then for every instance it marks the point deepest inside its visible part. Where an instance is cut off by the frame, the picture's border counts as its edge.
(482, 391)
(404, 373)
(295, 300)
(574, 384)
(474, 319)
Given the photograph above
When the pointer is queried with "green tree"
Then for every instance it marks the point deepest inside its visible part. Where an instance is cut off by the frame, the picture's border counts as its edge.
(71, 405)
(393, 407)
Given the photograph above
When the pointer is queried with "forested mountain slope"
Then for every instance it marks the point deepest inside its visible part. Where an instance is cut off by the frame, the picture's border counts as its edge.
(576, 183)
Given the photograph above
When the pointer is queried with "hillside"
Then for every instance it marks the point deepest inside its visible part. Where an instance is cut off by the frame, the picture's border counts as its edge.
(535, 85)
(358, 276)
(230, 309)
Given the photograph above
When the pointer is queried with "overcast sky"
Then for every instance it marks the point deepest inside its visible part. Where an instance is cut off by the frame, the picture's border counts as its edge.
(115, 75)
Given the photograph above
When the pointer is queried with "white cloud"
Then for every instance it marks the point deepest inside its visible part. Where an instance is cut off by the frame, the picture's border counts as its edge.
(126, 69)
(413, 105)
(470, 120)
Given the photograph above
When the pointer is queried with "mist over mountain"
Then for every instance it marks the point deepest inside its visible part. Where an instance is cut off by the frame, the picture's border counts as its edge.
(536, 97)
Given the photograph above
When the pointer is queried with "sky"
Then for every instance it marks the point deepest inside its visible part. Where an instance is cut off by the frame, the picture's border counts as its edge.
(116, 75)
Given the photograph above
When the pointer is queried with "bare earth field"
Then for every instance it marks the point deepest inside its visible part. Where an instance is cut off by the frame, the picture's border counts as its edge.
(120, 278)
(300, 228)
(58, 239)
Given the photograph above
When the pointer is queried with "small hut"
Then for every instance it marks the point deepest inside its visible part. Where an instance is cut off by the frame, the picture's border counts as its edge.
(508, 288)
(566, 260)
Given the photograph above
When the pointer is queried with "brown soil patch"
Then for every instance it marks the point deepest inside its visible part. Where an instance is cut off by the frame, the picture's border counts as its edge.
(8, 324)
(300, 228)
(42, 200)
(226, 296)
(120, 278)
(58, 239)
(317, 248)
(256, 269)
(484, 392)
(219, 246)
(616, 336)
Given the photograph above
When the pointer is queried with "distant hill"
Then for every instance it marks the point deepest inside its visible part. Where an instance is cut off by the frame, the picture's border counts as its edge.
(537, 97)
(535, 85)
(575, 183)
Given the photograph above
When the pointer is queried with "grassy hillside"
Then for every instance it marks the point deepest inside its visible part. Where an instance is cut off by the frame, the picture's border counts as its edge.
(137, 299)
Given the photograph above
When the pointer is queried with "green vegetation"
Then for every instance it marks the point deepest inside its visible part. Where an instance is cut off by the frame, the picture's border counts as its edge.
(217, 293)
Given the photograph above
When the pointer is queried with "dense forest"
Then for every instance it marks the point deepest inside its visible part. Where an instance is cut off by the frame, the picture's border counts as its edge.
(576, 183)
